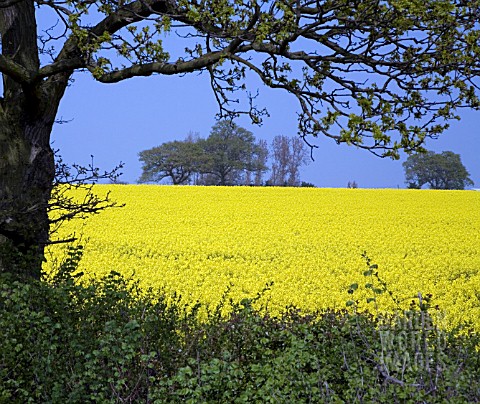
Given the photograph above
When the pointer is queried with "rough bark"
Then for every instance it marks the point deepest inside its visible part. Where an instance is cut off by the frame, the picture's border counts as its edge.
(26, 174)
(27, 168)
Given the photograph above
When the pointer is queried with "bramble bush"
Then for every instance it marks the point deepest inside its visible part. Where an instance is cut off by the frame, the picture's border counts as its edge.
(64, 340)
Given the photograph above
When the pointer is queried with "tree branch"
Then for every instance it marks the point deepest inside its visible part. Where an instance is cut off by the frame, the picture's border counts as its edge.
(15, 71)
(60, 66)
(70, 57)
(178, 67)
(130, 13)
(161, 68)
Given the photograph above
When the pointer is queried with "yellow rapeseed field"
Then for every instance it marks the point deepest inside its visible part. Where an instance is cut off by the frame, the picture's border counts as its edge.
(307, 241)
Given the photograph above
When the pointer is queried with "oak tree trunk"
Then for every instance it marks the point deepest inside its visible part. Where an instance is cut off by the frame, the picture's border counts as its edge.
(27, 167)
(27, 170)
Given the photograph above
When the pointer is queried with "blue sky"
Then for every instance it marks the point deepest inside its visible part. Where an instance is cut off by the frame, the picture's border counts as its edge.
(113, 122)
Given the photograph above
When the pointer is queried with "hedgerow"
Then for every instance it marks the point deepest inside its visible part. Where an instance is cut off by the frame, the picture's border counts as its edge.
(109, 341)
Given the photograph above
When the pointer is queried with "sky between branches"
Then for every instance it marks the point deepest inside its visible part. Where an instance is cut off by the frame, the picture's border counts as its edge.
(113, 122)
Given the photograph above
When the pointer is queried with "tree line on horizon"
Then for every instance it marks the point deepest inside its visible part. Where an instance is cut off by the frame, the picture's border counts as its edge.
(230, 155)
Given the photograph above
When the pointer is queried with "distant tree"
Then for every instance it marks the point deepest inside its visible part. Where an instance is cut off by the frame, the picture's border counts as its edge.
(194, 137)
(289, 154)
(298, 158)
(260, 162)
(230, 152)
(281, 157)
(175, 160)
(440, 171)
(307, 185)
(352, 184)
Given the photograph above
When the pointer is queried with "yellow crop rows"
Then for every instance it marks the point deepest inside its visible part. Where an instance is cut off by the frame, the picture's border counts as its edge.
(308, 242)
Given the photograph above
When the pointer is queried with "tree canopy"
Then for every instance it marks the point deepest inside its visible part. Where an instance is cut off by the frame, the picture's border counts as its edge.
(229, 150)
(381, 75)
(320, 51)
(174, 160)
(230, 155)
(439, 170)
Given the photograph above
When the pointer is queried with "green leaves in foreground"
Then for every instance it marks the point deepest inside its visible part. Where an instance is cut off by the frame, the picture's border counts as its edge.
(109, 341)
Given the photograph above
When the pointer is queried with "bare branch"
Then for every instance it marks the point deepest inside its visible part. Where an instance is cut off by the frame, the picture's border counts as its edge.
(64, 207)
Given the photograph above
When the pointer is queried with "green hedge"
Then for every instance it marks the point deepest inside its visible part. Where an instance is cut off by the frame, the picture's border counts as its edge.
(109, 341)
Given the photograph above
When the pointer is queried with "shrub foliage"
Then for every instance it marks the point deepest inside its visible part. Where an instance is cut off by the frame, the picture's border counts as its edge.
(110, 341)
